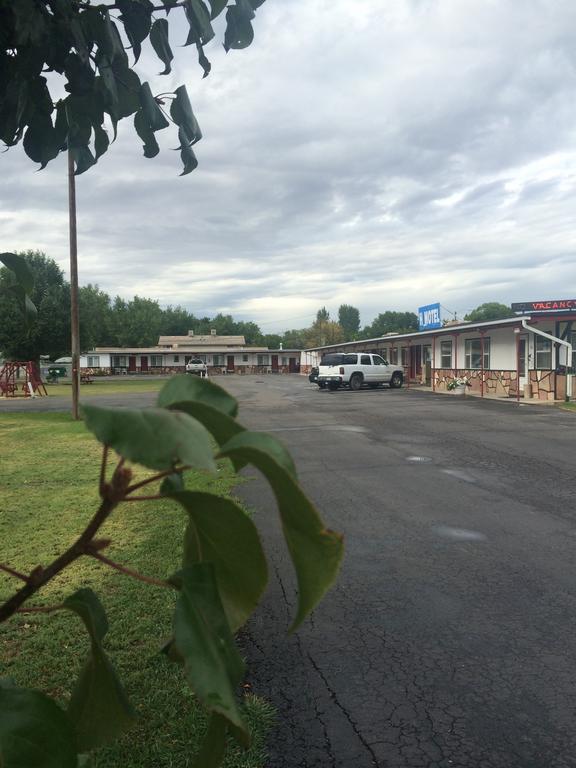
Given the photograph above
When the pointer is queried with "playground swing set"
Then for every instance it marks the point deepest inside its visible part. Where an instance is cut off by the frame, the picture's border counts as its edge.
(14, 375)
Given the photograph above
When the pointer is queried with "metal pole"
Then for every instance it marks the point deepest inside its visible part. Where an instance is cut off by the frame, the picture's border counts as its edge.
(482, 363)
(433, 366)
(517, 333)
(74, 319)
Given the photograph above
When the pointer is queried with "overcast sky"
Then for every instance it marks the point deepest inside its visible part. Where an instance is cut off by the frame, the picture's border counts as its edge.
(380, 153)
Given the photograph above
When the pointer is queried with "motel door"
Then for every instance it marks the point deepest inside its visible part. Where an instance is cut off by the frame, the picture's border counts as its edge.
(292, 365)
(132, 364)
(415, 362)
(230, 363)
(144, 363)
(275, 363)
(523, 361)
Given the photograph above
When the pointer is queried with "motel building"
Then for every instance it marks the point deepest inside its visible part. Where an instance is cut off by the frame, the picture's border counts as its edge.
(222, 355)
(531, 355)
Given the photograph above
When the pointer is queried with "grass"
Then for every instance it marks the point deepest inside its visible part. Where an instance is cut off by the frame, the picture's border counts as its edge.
(49, 491)
(568, 406)
(102, 387)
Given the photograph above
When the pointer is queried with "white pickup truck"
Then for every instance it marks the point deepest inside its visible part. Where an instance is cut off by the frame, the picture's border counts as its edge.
(197, 366)
(357, 369)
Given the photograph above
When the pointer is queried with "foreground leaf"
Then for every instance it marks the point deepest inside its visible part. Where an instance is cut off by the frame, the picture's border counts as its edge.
(204, 401)
(213, 747)
(155, 438)
(220, 532)
(186, 387)
(34, 731)
(19, 266)
(202, 638)
(99, 707)
(315, 551)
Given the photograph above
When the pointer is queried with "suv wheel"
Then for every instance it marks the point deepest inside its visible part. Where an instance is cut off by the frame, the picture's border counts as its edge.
(396, 380)
(355, 381)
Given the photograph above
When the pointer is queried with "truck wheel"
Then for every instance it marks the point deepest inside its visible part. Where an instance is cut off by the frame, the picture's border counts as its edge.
(396, 380)
(355, 381)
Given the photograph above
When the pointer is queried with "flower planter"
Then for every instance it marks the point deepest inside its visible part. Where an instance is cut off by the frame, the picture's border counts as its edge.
(460, 389)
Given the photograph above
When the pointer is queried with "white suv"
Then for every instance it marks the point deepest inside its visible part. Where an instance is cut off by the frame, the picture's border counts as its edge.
(355, 369)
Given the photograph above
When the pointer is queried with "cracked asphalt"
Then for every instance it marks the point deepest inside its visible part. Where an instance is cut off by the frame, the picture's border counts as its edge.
(449, 639)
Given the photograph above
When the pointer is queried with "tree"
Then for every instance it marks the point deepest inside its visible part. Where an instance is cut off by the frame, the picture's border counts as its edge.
(48, 333)
(391, 322)
(95, 317)
(323, 332)
(491, 310)
(177, 321)
(349, 319)
(294, 339)
(322, 315)
(83, 45)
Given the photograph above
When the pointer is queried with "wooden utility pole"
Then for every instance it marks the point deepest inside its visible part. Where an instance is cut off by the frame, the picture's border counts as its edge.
(74, 317)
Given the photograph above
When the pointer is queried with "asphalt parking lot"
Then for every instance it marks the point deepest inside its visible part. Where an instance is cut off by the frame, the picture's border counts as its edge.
(449, 638)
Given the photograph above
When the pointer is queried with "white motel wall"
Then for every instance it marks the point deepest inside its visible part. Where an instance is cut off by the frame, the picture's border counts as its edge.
(506, 358)
(156, 361)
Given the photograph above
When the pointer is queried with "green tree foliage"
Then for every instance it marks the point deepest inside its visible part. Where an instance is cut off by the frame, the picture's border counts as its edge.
(323, 331)
(349, 319)
(95, 317)
(83, 45)
(322, 315)
(223, 575)
(49, 332)
(491, 310)
(391, 322)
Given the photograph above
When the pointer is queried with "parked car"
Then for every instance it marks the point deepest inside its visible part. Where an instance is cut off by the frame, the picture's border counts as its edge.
(197, 366)
(355, 370)
(313, 377)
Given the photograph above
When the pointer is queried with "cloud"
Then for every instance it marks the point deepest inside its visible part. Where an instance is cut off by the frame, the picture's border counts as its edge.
(383, 155)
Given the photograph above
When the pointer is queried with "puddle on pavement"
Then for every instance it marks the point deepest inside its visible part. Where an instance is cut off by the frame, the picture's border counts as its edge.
(459, 534)
(419, 459)
(459, 474)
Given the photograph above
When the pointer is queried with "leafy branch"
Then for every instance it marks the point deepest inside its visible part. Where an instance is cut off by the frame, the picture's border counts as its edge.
(223, 576)
(86, 46)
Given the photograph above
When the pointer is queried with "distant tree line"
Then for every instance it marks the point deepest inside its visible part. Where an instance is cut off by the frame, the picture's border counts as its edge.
(138, 322)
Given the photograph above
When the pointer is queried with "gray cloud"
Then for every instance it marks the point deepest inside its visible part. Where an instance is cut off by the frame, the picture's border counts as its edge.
(384, 155)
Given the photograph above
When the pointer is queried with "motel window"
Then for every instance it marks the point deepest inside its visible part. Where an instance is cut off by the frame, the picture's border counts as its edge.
(543, 353)
(446, 354)
(119, 361)
(404, 352)
(473, 353)
(393, 356)
(263, 360)
(176, 358)
(244, 358)
(93, 361)
(156, 361)
(284, 361)
(426, 353)
(218, 359)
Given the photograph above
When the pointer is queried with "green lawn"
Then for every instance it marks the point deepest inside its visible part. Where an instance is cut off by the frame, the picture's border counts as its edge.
(568, 406)
(107, 387)
(48, 489)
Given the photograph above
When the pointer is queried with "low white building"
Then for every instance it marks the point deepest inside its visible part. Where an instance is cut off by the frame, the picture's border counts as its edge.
(530, 355)
(222, 354)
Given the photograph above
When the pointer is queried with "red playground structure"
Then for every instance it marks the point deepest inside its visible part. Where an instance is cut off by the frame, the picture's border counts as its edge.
(23, 375)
